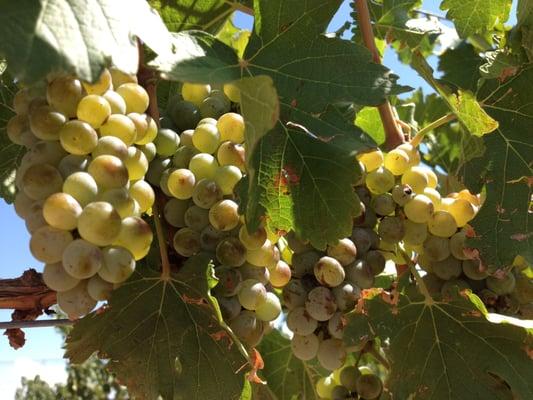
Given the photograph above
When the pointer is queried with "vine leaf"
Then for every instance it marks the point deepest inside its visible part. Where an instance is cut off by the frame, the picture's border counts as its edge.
(476, 16)
(460, 66)
(503, 225)
(368, 119)
(447, 350)
(164, 337)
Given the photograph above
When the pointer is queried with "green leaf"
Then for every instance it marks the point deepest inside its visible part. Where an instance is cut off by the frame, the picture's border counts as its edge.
(476, 16)
(460, 66)
(234, 37)
(503, 225)
(75, 36)
(287, 377)
(369, 120)
(164, 337)
(524, 12)
(500, 64)
(447, 350)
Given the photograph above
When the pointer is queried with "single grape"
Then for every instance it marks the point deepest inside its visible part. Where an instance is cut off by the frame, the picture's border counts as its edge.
(227, 177)
(206, 193)
(22, 204)
(376, 261)
(119, 126)
(305, 347)
(280, 274)
(360, 274)
(163, 184)
(182, 157)
(442, 224)
(249, 271)
(379, 181)
(56, 278)
(229, 281)
(41, 180)
(118, 264)
(47, 244)
(94, 110)
(135, 96)
(64, 94)
(61, 211)
(203, 166)
(214, 107)
(211, 237)
(300, 322)
(372, 160)
(76, 302)
(15, 128)
(136, 236)
(457, 245)
(391, 229)
(383, 204)
(362, 240)
(436, 248)
(231, 252)
(252, 294)
(99, 289)
(264, 256)
(474, 270)
(149, 151)
(402, 194)
(231, 127)
(419, 209)
(196, 218)
(232, 92)
(186, 242)
(45, 122)
(396, 161)
(321, 304)
(71, 164)
(329, 272)
(502, 286)
(110, 146)
(121, 201)
(35, 218)
(143, 194)
(348, 377)
(116, 102)
(145, 126)
(208, 120)
(247, 327)
(369, 386)
(336, 325)
(155, 170)
(346, 294)
(82, 259)
(416, 178)
(462, 211)
(270, 309)
(412, 152)
(224, 215)
(331, 354)
(99, 223)
(230, 307)
(344, 251)
(195, 92)
(340, 393)
(109, 172)
(206, 138)
(101, 85)
(166, 142)
(447, 269)
(230, 153)
(82, 187)
(434, 195)
(254, 240)
(415, 233)
(324, 387)
(184, 114)
(304, 263)
(181, 183)
(294, 294)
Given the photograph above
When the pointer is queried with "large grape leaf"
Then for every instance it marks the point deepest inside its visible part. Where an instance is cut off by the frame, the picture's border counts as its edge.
(476, 16)
(460, 66)
(75, 36)
(447, 350)
(164, 337)
(503, 225)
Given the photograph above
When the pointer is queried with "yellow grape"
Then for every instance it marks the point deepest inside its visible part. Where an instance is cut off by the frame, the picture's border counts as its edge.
(99, 223)
(142, 192)
(433, 181)
(224, 215)
(78, 137)
(45, 122)
(231, 127)
(102, 85)
(462, 210)
(56, 278)
(118, 264)
(61, 211)
(116, 102)
(119, 78)
(136, 163)
(206, 138)
(110, 146)
(442, 224)
(181, 183)
(457, 245)
(94, 110)
(379, 181)
(434, 195)
(146, 128)
(121, 200)
(371, 160)
(82, 259)
(203, 166)
(195, 92)
(109, 172)
(230, 153)
(415, 233)
(396, 161)
(41, 180)
(135, 96)
(417, 178)
(82, 187)
(136, 236)
(76, 302)
(280, 274)
(252, 241)
(120, 126)
(419, 209)
(64, 94)
(99, 289)
(16, 128)
(412, 152)
(232, 92)
(47, 244)
(227, 177)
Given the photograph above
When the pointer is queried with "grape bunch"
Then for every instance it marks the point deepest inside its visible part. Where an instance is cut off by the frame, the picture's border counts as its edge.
(80, 184)
(350, 383)
(198, 170)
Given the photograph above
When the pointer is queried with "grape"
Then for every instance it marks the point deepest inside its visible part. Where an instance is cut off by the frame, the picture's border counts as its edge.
(64, 94)
(15, 128)
(78, 137)
(195, 92)
(35, 218)
(61, 211)
(419, 209)
(166, 142)
(224, 215)
(339, 393)
(230, 307)
(379, 181)
(372, 160)
(196, 218)
(383, 204)
(135, 96)
(71, 164)
(324, 387)
(206, 138)
(296, 244)
(348, 377)
(45, 122)
(111, 146)
(391, 229)
(360, 274)
(436, 248)
(474, 270)
(118, 264)
(186, 242)
(208, 120)
(157, 166)
(294, 294)
(264, 256)
(442, 224)
(82, 259)
(462, 211)
(433, 181)
(231, 127)
(206, 193)
(331, 354)
(369, 386)
(280, 274)
(82, 187)
(247, 327)
(252, 241)
(457, 243)
(229, 281)
(346, 295)
(344, 251)
(502, 286)
(415, 234)
(304, 263)
(336, 325)
(362, 240)
(232, 92)
(249, 271)
(321, 304)
(451, 287)
(433, 195)
(184, 114)
(163, 184)
(22, 204)
(230, 153)
(186, 138)
(121, 201)
(118, 77)
(149, 151)
(181, 183)
(300, 322)
(22, 99)
(183, 156)
(416, 178)
(396, 161)
(101, 85)
(402, 194)
(252, 294)
(76, 302)
(47, 244)
(120, 126)
(109, 172)
(56, 278)
(41, 180)
(305, 347)
(143, 194)
(447, 269)
(230, 251)
(376, 261)
(214, 107)
(116, 102)
(146, 128)
(94, 110)
(99, 289)
(136, 236)
(203, 166)
(43, 152)
(99, 223)
(412, 152)
(270, 309)
(329, 272)
(227, 177)
(211, 237)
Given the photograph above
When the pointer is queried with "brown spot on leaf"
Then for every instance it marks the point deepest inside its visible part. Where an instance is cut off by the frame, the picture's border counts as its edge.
(191, 300)
(521, 236)
(507, 73)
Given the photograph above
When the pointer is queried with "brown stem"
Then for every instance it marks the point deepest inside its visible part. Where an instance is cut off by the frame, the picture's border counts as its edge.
(28, 292)
(240, 7)
(393, 133)
(46, 323)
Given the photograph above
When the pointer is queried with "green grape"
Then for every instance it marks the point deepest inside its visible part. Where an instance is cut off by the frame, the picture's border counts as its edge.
(143, 194)
(41, 180)
(502, 286)
(419, 209)
(118, 77)
(339, 393)
(76, 302)
(121, 201)
(15, 128)
(231, 127)
(21, 100)
(78, 137)
(294, 294)
(360, 274)
(344, 251)
(270, 309)
(348, 377)
(195, 92)
(442, 224)
(462, 211)
(155, 170)
(102, 85)
(229, 281)
(206, 138)
(82, 187)
(183, 156)
(166, 142)
(120, 126)
(321, 304)
(135, 236)
(391, 229)
(196, 218)
(415, 233)
(45, 122)
(474, 270)
(231, 252)
(248, 328)
(203, 166)
(383, 204)
(304, 263)
(450, 288)
(99, 223)
(206, 193)
(305, 347)
(61, 211)
(457, 245)
(186, 138)
(214, 107)
(187, 242)
(331, 354)
(149, 151)
(47, 244)
(99, 289)
(376, 261)
(136, 163)
(220, 95)
(116, 102)
(56, 278)
(118, 264)
(249, 271)
(280, 274)
(135, 96)
(324, 387)
(300, 322)
(164, 181)
(224, 215)
(22, 204)
(82, 259)
(94, 110)
(110, 146)
(436, 248)
(208, 120)
(412, 152)
(346, 295)
(447, 269)
(372, 160)
(184, 114)
(227, 178)
(145, 126)
(433, 195)
(264, 256)
(329, 272)
(181, 183)
(71, 164)
(252, 294)
(211, 237)
(396, 161)
(369, 386)
(252, 241)
(35, 218)
(232, 92)
(43, 152)
(416, 178)
(230, 307)
(402, 194)
(230, 153)
(109, 172)
(379, 181)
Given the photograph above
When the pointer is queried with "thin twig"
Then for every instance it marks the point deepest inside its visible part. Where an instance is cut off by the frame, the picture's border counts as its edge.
(240, 7)
(431, 14)
(165, 263)
(415, 141)
(43, 323)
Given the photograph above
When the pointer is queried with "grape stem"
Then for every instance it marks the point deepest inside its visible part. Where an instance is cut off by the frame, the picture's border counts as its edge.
(421, 284)
(417, 139)
(393, 133)
(165, 263)
(46, 323)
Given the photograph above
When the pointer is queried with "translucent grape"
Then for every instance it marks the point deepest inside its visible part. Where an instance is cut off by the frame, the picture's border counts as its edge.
(135, 96)
(416, 178)
(99, 289)
(412, 152)
(166, 142)
(108, 172)
(457, 245)
(502, 286)
(43, 152)
(99, 223)
(118, 264)
(294, 294)
(82, 187)
(249, 271)
(433, 181)
(270, 309)
(183, 156)
(41, 180)
(331, 354)
(419, 209)
(231, 127)
(348, 377)
(474, 270)
(163, 184)
(369, 386)
(229, 281)
(206, 193)
(110, 146)
(149, 151)
(447, 269)
(300, 322)
(116, 102)
(329, 272)
(232, 92)
(45, 123)
(211, 121)
(214, 107)
(121, 201)
(442, 224)
(146, 128)
(231, 252)
(280, 274)
(396, 161)
(76, 302)
(15, 128)
(230, 153)
(56, 278)
(336, 325)
(195, 92)
(143, 194)
(436, 248)
(71, 164)
(252, 294)
(227, 177)
(94, 110)
(82, 259)
(206, 138)
(203, 166)
(248, 328)
(264, 256)
(184, 114)
(224, 215)
(61, 211)
(186, 138)
(360, 274)
(415, 233)
(181, 183)
(433, 195)
(379, 181)
(35, 218)
(401, 194)
(187, 242)
(136, 163)
(120, 126)
(252, 241)
(305, 347)
(304, 263)
(372, 160)
(102, 84)
(391, 229)
(321, 304)
(344, 251)
(462, 211)
(78, 137)
(22, 204)
(346, 295)
(324, 387)
(155, 170)
(136, 236)
(47, 244)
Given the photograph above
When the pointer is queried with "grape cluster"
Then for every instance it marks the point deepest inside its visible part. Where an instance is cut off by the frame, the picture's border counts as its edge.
(80, 183)
(350, 383)
(198, 170)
